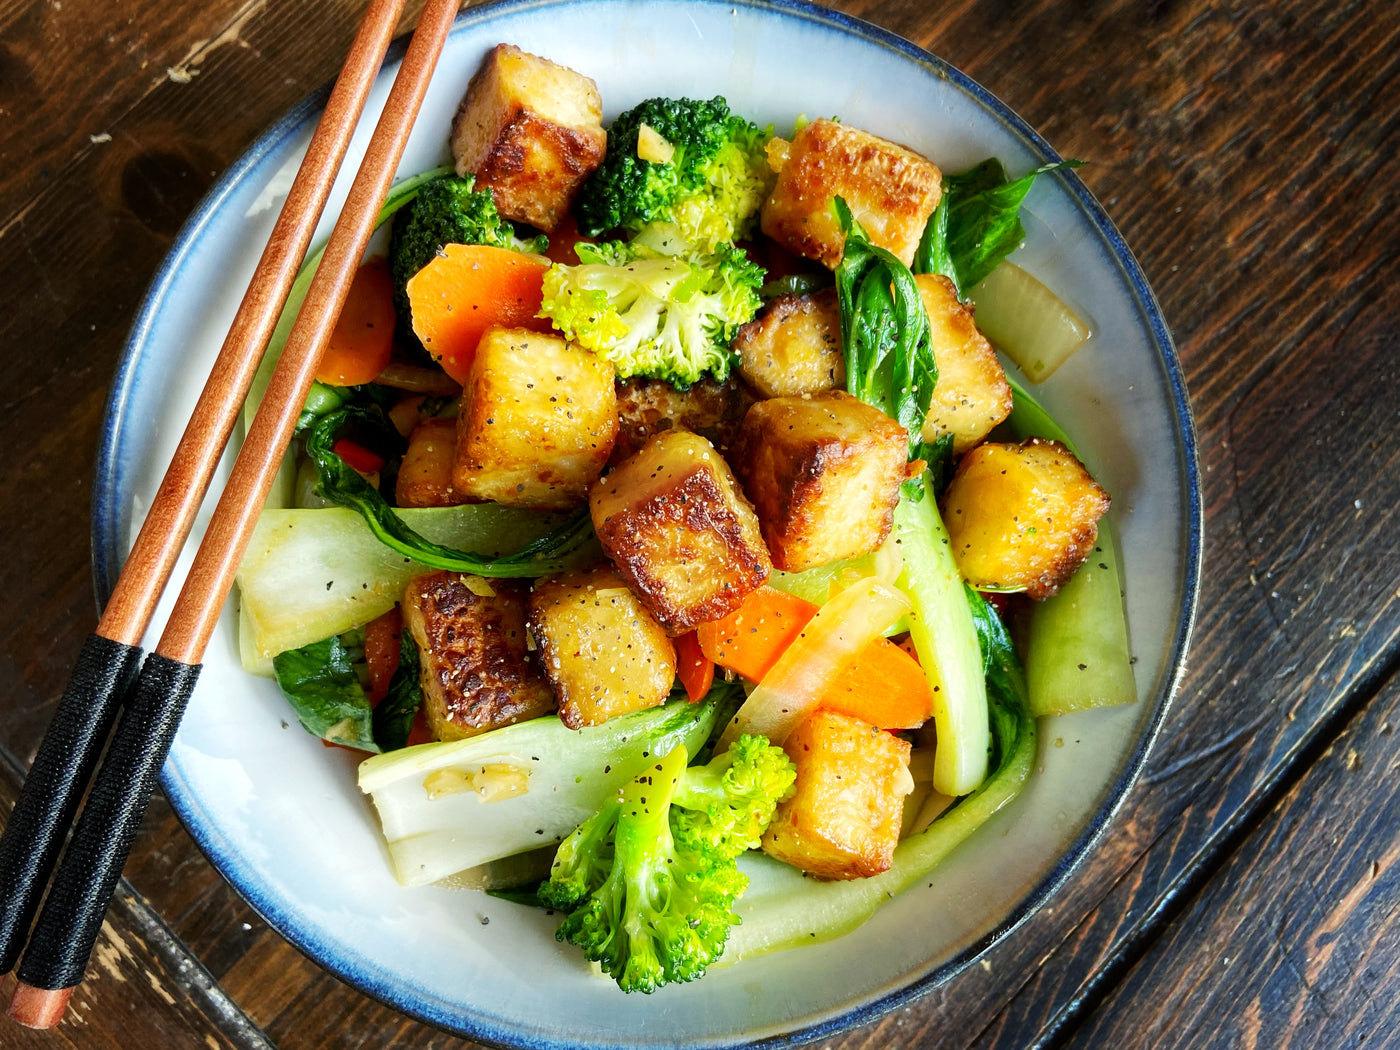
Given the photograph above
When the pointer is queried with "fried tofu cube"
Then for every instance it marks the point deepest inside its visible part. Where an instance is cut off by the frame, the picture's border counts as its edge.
(1022, 517)
(425, 476)
(531, 131)
(676, 525)
(823, 474)
(794, 346)
(602, 651)
(890, 190)
(537, 422)
(843, 820)
(972, 396)
(649, 406)
(477, 670)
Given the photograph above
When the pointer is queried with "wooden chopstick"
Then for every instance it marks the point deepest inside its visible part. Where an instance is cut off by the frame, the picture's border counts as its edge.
(67, 927)
(109, 658)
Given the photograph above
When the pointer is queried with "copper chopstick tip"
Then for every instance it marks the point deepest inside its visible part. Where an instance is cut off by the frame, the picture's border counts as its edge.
(38, 1007)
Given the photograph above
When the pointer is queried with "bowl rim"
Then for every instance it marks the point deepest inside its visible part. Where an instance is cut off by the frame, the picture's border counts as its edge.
(107, 552)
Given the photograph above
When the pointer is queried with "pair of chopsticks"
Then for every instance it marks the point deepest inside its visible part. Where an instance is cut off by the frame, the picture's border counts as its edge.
(105, 681)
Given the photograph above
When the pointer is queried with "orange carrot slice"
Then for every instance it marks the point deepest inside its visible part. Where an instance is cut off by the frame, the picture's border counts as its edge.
(695, 670)
(465, 290)
(881, 684)
(382, 652)
(750, 639)
(363, 336)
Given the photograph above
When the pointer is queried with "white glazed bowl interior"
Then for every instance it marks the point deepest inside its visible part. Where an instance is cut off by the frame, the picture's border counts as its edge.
(280, 815)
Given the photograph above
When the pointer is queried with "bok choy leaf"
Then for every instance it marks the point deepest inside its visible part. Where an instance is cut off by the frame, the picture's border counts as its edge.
(884, 330)
(977, 223)
(890, 365)
(320, 682)
(341, 484)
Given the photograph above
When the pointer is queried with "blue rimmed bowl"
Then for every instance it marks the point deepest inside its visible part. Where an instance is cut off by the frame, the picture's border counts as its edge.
(281, 817)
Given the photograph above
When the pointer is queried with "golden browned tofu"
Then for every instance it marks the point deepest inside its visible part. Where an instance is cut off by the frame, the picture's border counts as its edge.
(891, 192)
(794, 346)
(972, 395)
(425, 476)
(603, 653)
(1022, 517)
(843, 820)
(477, 671)
(531, 131)
(537, 422)
(674, 522)
(649, 406)
(823, 474)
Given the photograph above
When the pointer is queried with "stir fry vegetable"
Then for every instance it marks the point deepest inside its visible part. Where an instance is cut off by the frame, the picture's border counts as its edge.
(647, 557)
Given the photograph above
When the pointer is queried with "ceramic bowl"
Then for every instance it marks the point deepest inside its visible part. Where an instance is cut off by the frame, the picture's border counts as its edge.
(280, 816)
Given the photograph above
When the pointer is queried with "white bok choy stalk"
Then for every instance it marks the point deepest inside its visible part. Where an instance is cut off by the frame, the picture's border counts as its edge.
(890, 364)
(310, 574)
(449, 807)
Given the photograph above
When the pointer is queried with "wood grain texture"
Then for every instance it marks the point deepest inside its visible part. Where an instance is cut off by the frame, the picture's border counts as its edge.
(1248, 966)
(143, 989)
(1246, 150)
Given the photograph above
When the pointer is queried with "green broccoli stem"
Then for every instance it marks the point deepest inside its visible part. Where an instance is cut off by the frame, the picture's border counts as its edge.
(581, 862)
(643, 847)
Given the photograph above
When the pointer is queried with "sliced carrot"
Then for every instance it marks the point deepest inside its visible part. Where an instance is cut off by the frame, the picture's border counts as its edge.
(359, 457)
(382, 652)
(882, 684)
(750, 639)
(465, 290)
(695, 670)
(420, 733)
(363, 337)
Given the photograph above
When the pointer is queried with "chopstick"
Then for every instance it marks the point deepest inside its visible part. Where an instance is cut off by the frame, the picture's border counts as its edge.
(63, 937)
(109, 658)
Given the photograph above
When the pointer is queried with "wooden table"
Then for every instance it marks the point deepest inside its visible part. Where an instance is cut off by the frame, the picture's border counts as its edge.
(1249, 892)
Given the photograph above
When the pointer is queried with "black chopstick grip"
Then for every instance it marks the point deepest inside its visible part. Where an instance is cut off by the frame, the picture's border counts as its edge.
(82, 887)
(56, 782)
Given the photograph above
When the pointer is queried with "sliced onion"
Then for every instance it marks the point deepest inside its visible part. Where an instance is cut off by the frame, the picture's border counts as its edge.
(1026, 321)
(841, 628)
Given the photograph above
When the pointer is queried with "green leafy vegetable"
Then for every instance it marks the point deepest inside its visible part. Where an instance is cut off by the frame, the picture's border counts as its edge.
(890, 364)
(884, 330)
(1008, 700)
(320, 682)
(394, 715)
(649, 881)
(343, 485)
(977, 223)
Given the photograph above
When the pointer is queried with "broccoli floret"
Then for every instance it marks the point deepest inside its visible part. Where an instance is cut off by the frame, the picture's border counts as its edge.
(447, 210)
(649, 882)
(652, 314)
(711, 188)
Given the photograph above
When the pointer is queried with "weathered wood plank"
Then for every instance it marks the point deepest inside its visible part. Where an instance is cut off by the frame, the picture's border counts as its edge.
(143, 989)
(1242, 148)
(1297, 943)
